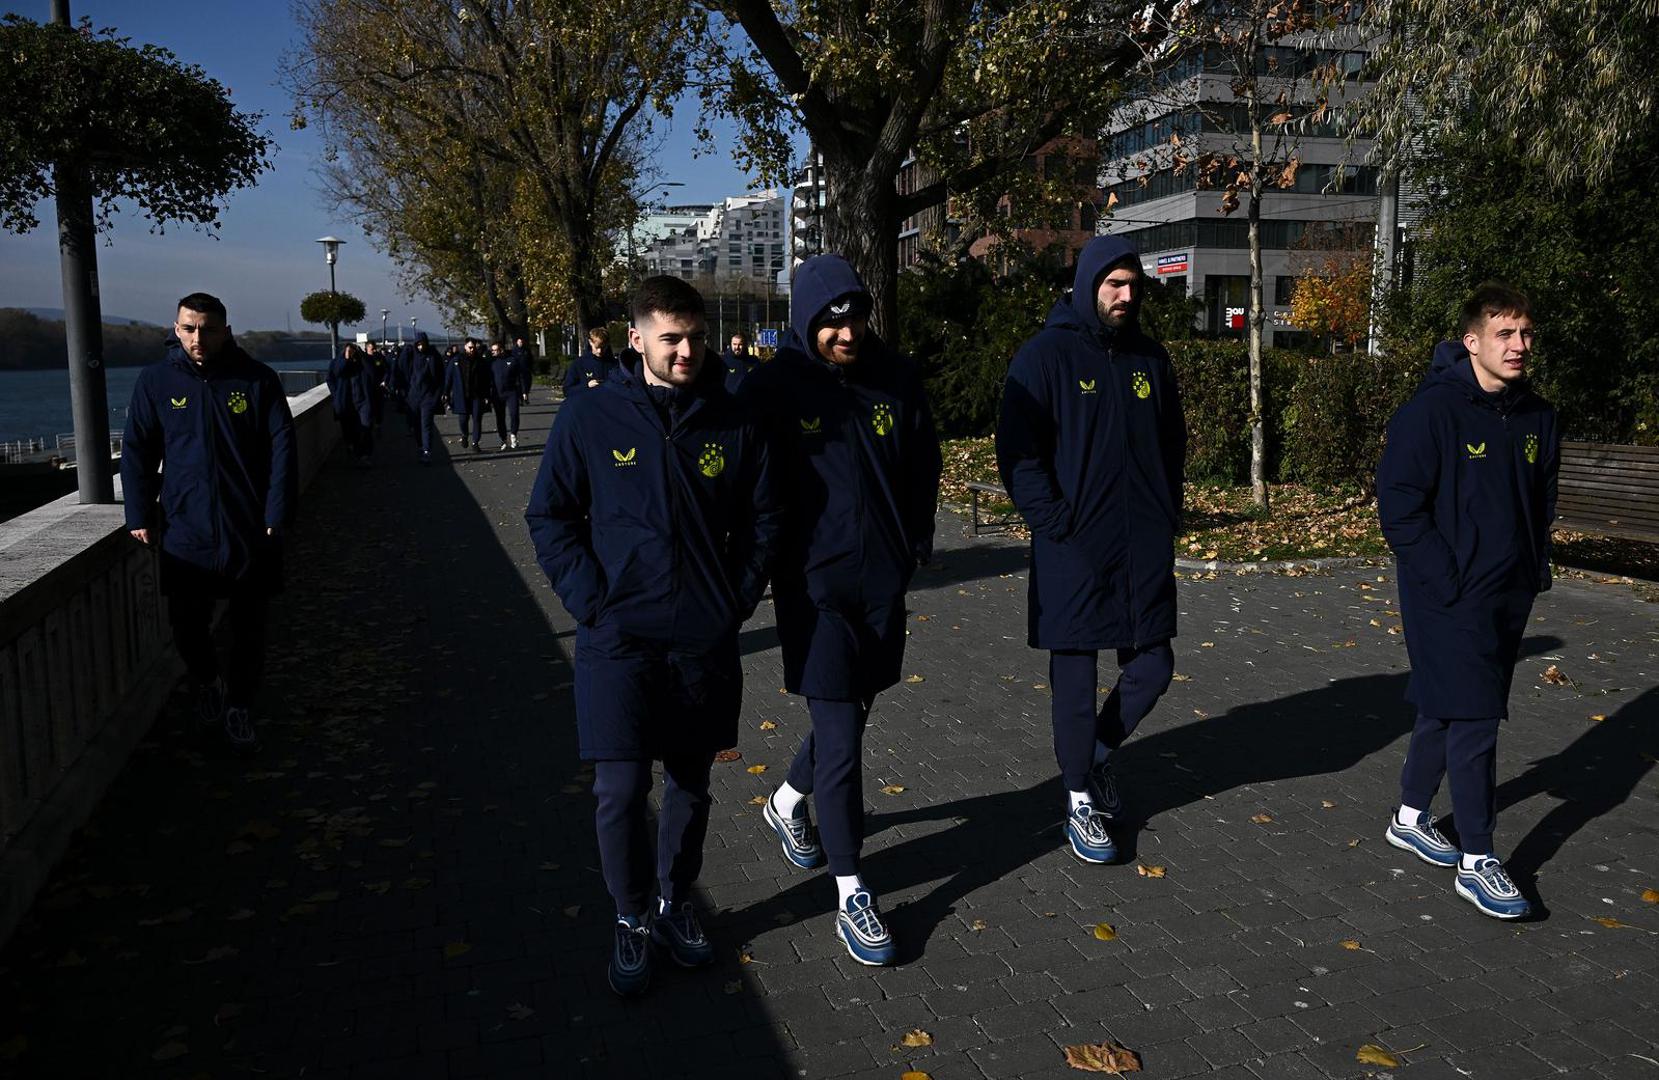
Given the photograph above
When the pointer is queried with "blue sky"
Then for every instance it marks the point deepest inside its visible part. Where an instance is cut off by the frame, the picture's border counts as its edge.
(264, 258)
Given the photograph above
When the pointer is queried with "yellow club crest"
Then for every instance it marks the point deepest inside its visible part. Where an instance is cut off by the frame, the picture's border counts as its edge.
(625, 457)
(881, 418)
(1142, 385)
(712, 461)
(238, 402)
(1529, 446)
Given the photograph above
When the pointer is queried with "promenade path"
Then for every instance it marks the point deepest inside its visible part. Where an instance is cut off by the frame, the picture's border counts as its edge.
(404, 883)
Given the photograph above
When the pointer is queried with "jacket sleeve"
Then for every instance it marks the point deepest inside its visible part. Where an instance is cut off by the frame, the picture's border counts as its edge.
(1025, 451)
(141, 454)
(1407, 478)
(283, 494)
(1172, 436)
(559, 524)
(923, 467)
(1551, 459)
(573, 381)
(759, 528)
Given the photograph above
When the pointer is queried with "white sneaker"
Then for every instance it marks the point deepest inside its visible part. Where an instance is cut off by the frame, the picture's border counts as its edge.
(512, 440)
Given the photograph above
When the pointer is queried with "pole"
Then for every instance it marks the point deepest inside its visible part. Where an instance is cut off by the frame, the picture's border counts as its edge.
(83, 321)
(1388, 230)
(333, 327)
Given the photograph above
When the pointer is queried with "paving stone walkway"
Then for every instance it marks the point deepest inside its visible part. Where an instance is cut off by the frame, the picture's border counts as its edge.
(404, 883)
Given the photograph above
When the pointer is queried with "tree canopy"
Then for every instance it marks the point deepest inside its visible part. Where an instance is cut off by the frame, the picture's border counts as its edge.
(146, 128)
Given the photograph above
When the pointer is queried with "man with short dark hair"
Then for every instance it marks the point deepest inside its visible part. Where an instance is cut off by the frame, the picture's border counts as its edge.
(425, 373)
(510, 379)
(209, 472)
(1091, 445)
(475, 374)
(739, 360)
(860, 461)
(1466, 494)
(654, 517)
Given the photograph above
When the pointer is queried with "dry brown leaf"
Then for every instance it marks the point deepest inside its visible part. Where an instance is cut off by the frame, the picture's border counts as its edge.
(1327, 804)
(1206, 644)
(1105, 932)
(915, 1074)
(1650, 896)
(1372, 1054)
(1599, 717)
(1262, 819)
(756, 770)
(1612, 923)
(1106, 1057)
(893, 789)
(978, 925)
(729, 755)
(768, 725)
(758, 800)
(1355, 842)
(915, 679)
(916, 1037)
(1351, 945)
(1555, 676)
(1149, 871)
(456, 948)
(745, 958)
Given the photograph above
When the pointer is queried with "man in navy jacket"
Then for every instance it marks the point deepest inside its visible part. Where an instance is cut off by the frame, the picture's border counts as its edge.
(1466, 494)
(219, 422)
(590, 370)
(510, 379)
(739, 360)
(426, 383)
(860, 459)
(654, 517)
(456, 393)
(351, 388)
(1091, 445)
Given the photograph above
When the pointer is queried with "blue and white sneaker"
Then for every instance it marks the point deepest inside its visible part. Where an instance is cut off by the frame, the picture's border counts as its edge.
(1103, 791)
(1489, 888)
(1086, 830)
(1422, 840)
(859, 926)
(675, 928)
(799, 838)
(630, 970)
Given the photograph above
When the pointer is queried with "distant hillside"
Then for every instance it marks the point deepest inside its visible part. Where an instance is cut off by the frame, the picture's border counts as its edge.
(28, 341)
(55, 314)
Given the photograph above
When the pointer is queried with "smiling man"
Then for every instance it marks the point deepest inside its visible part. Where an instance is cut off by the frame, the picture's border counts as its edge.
(654, 519)
(1466, 493)
(219, 422)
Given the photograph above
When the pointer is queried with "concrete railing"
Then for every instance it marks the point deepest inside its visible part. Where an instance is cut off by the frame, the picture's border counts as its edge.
(86, 662)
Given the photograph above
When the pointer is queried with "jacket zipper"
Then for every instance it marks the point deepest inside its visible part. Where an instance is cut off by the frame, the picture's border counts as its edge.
(212, 462)
(1128, 545)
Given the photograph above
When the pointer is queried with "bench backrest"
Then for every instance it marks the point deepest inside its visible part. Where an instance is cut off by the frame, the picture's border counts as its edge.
(1609, 488)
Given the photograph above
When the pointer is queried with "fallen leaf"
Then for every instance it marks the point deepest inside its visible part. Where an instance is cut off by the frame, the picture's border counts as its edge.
(978, 925)
(1106, 1057)
(1599, 717)
(260, 830)
(915, 679)
(757, 769)
(1355, 842)
(1178, 677)
(177, 915)
(520, 1011)
(1261, 819)
(729, 755)
(1555, 676)
(396, 843)
(768, 725)
(222, 952)
(14, 1047)
(1351, 945)
(456, 948)
(168, 1051)
(1650, 896)
(1612, 923)
(745, 958)
(302, 909)
(1149, 871)
(916, 1037)
(327, 896)
(1105, 932)
(1327, 804)
(239, 914)
(758, 800)
(1372, 1054)
(1206, 644)
(915, 1074)
(893, 789)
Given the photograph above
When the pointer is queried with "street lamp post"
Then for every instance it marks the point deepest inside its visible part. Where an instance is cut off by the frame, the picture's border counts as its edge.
(383, 313)
(331, 252)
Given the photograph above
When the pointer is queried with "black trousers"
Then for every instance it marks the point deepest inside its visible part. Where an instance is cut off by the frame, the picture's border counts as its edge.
(506, 417)
(1464, 752)
(624, 843)
(1083, 735)
(191, 615)
(830, 766)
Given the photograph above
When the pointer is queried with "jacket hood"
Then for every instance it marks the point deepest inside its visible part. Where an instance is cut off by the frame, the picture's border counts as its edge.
(821, 281)
(1097, 257)
(1452, 368)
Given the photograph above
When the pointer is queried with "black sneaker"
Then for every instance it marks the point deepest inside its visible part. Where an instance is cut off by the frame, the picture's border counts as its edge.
(630, 970)
(239, 730)
(1103, 791)
(675, 928)
(210, 704)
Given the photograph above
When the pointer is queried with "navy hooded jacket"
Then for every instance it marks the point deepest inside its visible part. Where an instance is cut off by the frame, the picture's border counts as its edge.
(352, 386)
(738, 368)
(426, 375)
(860, 459)
(455, 386)
(588, 366)
(1091, 445)
(225, 435)
(1466, 494)
(509, 374)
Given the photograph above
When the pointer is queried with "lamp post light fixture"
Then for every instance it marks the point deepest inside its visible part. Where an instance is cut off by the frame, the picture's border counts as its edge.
(383, 313)
(331, 252)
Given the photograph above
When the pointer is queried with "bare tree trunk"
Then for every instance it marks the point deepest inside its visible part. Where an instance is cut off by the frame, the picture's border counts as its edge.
(861, 224)
(1258, 314)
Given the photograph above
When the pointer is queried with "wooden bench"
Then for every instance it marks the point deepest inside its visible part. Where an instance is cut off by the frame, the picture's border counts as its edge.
(1609, 489)
(986, 521)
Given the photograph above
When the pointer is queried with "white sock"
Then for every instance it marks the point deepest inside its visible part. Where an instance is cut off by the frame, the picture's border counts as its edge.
(1407, 815)
(786, 799)
(1469, 862)
(1074, 799)
(848, 885)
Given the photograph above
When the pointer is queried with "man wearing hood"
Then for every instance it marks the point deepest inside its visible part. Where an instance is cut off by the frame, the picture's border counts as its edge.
(426, 383)
(739, 360)
(1091, 445)
(1466, 493)
(851, 424)
(654, 517)
(460, 399)
(219, 422)
(351, 387)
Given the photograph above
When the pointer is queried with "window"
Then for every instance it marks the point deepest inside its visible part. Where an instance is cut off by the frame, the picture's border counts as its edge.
(1283, 286)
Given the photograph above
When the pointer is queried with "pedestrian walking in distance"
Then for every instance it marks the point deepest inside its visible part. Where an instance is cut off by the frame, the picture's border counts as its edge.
(426, 384)
(209, 475)
(1091, 445)
(352, 390)
(654, 517)
(860, 464)
(1466, 493)
(510, 382)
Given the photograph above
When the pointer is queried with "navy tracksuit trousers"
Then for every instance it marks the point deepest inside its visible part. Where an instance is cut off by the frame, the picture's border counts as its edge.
(190, 615)
(1084, 736)
(463, 413)
(682, 824)
(1466, 753)
(830, 765)
(422, 413)
(506, 417)
(477, 420)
